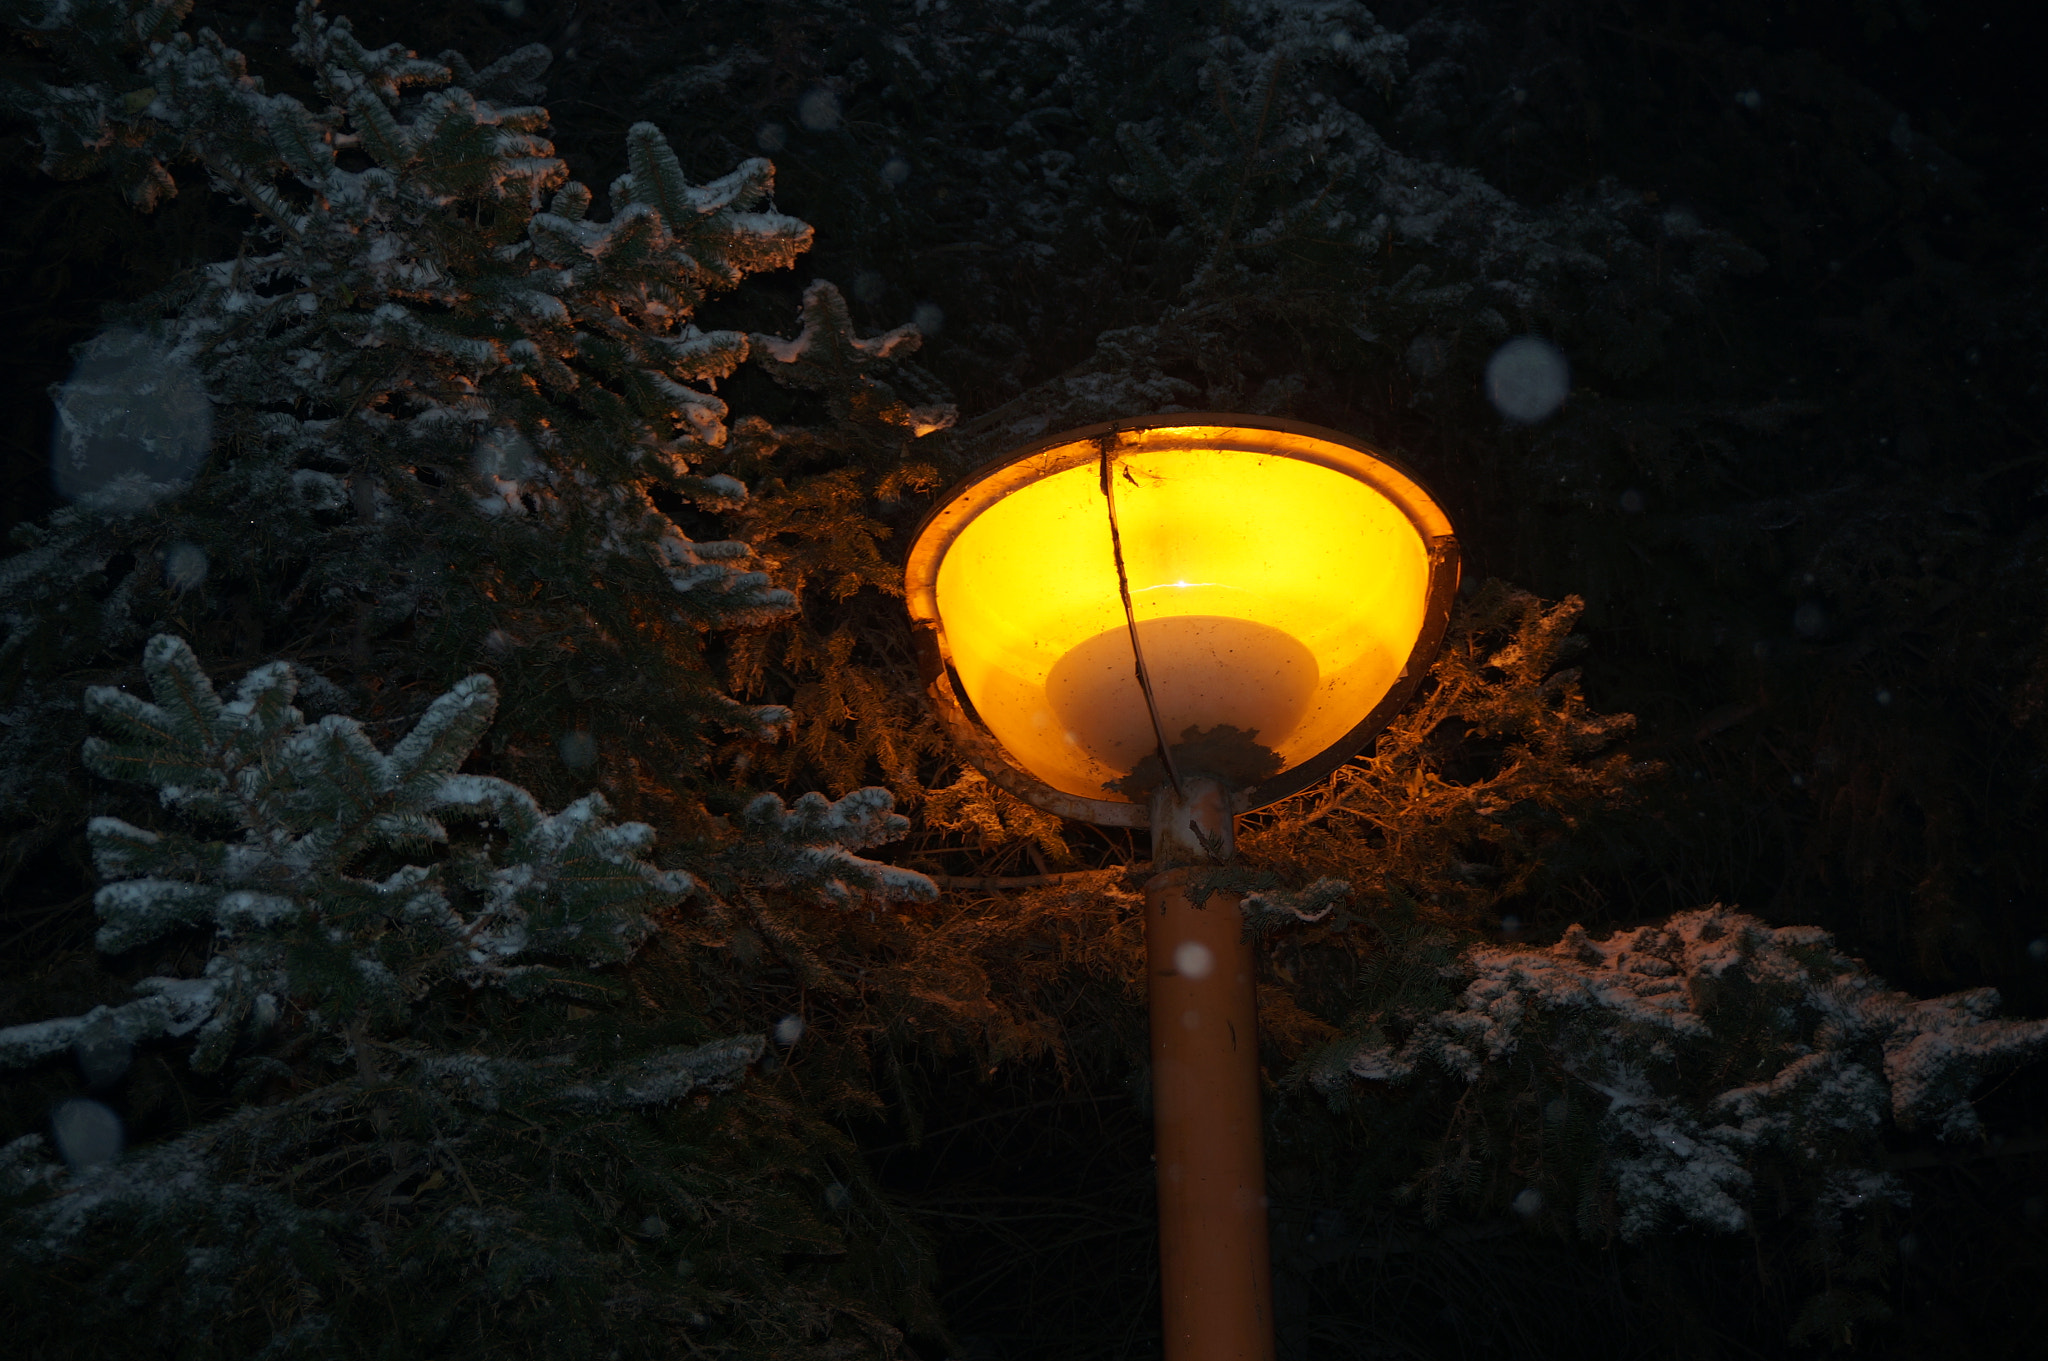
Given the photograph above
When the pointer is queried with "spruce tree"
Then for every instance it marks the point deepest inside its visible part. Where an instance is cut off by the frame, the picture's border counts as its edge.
(449, 406)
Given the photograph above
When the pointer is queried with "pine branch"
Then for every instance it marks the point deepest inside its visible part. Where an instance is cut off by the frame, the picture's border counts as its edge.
(999, 882)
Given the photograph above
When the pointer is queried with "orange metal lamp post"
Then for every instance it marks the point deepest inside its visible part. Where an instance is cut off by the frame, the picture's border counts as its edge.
(1163, 623)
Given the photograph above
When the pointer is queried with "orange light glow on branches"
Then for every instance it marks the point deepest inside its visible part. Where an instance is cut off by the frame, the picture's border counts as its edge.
(1286, 586)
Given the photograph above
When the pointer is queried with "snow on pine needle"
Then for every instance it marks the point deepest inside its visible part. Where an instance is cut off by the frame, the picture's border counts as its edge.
(319, 892)
(429, 330)
(1696, 1052)
(808, 846)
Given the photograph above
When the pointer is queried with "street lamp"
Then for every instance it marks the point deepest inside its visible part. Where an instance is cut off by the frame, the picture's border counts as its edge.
(1165, 622)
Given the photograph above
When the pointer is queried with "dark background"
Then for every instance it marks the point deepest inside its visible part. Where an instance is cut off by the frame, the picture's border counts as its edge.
(1831, 624)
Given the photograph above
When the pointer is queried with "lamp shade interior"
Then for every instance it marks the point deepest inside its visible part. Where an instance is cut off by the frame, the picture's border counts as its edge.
(1279, 585)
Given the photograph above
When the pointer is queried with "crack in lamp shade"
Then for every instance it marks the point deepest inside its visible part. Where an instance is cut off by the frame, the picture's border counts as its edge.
(1289, 587)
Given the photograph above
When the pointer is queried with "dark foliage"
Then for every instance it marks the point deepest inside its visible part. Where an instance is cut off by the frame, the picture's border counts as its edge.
(1795, 511)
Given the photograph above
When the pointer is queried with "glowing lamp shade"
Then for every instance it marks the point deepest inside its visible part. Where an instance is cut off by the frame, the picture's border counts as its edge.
(1288, 586)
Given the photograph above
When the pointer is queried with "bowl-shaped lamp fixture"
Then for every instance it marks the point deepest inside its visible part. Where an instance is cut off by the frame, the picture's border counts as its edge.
(1286, 586)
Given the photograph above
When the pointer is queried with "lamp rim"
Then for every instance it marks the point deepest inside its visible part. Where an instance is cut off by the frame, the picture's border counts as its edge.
(957, 507)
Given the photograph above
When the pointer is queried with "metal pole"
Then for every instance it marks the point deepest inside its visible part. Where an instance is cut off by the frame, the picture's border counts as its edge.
(1215, 1276)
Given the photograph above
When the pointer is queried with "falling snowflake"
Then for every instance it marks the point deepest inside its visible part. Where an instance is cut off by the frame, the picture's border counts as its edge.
(1527, 379)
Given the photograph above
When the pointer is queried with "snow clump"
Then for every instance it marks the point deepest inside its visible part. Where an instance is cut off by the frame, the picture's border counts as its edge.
(1633, 1020)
